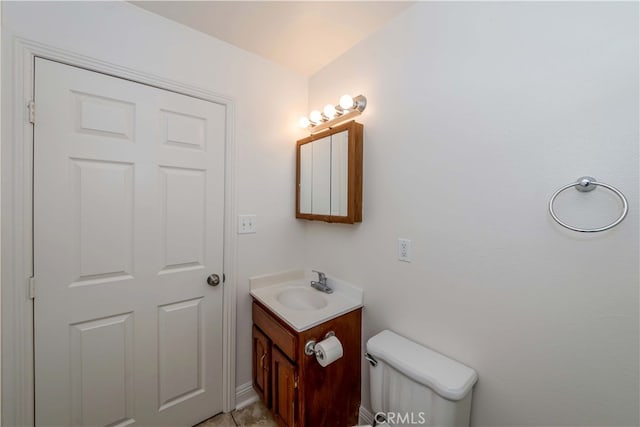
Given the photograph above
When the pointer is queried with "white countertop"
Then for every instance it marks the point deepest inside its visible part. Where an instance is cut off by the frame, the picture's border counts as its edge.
(345, 298)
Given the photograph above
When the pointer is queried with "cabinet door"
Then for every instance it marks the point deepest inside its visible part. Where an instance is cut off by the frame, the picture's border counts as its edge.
(284, 389)
(262, 366)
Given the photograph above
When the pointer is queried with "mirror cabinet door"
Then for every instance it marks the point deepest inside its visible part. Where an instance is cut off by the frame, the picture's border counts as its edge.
(329, 173)
(339, 173)
(304, 178)
(321, 177)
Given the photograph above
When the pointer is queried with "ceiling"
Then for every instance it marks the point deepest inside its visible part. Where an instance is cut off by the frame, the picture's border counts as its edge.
(301, 35)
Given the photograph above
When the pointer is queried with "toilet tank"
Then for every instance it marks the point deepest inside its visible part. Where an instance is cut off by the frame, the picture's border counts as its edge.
(414, 385)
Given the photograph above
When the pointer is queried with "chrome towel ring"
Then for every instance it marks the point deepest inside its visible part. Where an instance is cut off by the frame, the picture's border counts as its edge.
(586, 184)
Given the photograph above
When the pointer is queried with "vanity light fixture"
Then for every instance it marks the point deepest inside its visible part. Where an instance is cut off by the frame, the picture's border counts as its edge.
(329, 111)
(331, 115)
(316, 117)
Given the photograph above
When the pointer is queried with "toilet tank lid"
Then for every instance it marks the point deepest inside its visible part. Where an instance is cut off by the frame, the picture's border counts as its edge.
(447, 377)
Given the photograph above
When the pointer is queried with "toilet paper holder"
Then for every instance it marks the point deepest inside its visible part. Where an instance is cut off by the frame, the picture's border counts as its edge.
(310, 346)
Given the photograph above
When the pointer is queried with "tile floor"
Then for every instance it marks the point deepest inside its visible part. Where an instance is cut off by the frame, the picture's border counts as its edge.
(254, 415)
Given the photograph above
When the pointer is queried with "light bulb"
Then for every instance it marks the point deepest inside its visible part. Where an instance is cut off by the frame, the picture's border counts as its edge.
(315, 116)
(346, 102)
(304, 122)
(329, 111)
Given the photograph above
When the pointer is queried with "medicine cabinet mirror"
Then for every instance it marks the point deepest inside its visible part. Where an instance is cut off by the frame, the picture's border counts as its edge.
(329, 175)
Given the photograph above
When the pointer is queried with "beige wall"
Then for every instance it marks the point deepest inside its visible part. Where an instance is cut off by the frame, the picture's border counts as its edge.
(477, 113)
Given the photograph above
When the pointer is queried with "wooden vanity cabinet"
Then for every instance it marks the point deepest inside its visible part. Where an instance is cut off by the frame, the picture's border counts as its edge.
(297, 390)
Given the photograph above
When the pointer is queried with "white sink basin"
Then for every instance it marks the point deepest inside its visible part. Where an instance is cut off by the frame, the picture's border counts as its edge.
(290, 297)
(302, 299)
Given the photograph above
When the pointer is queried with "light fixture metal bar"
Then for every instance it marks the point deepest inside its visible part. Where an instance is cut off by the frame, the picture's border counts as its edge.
(333, 122)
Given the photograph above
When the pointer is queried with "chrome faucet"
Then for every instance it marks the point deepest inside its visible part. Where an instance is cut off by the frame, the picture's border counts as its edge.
(321, 284)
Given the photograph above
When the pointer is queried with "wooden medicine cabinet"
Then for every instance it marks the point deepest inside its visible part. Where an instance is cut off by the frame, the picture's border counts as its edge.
(329, 175)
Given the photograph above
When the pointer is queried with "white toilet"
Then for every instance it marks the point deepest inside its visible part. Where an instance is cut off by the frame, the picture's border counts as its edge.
(413, 385)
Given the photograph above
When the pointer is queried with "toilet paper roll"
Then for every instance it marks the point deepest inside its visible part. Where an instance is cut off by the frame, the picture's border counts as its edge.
(328, 351)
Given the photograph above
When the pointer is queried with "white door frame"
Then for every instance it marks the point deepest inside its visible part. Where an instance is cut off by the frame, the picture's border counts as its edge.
(17, 220)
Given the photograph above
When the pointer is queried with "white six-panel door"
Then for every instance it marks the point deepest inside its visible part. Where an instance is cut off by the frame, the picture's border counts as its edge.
(128, 225)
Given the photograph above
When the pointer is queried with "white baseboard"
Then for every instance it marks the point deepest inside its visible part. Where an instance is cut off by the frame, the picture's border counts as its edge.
(245, 395)
(366, 417)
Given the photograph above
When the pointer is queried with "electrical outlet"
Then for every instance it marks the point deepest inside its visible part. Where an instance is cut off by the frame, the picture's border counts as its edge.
(404, 250)
(246, 224)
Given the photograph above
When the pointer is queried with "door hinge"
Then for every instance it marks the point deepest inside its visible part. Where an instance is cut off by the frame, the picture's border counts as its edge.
(32, 112)
(295, 381)
(32, 287)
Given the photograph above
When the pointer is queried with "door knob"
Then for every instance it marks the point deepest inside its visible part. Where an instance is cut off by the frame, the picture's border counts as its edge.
(213, 280)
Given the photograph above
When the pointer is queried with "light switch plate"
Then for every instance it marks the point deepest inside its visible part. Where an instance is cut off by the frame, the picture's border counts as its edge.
(247, 224)
(404, 250)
